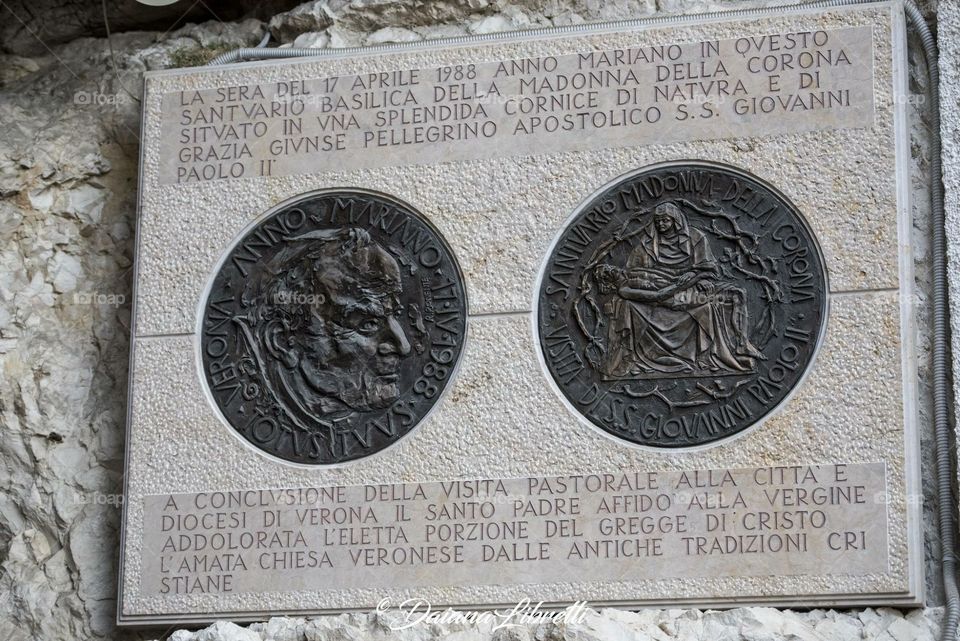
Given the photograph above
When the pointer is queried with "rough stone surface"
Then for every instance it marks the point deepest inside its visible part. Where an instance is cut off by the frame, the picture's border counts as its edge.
(948, 33)
(741, 624)
(31, 26)
(68, 173)
(68, 176)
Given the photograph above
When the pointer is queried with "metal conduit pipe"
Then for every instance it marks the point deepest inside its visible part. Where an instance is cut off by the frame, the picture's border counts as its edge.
(941, 335)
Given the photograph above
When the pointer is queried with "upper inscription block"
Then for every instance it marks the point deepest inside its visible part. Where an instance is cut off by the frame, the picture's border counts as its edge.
(686, 90)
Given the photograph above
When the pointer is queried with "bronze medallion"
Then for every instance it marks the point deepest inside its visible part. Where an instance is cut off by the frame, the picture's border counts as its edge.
(681, 305)
(333, 326)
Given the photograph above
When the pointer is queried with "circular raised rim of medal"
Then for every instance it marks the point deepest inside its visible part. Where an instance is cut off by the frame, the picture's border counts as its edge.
(681, 305)
(331, 327)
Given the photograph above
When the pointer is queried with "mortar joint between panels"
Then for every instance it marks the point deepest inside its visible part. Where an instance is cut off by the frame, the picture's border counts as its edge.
(525, 312)
(865, 292)
(164, 335)
(506, 314)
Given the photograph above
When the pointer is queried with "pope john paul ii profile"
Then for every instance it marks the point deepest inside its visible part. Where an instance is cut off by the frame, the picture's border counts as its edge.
(324, 325)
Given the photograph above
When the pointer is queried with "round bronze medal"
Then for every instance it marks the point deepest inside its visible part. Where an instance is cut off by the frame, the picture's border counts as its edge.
(681, 305)
(332, 327)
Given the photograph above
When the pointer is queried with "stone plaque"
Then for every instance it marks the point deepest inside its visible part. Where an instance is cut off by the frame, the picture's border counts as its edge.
(617, 313)
(332, 327)
(681, 305)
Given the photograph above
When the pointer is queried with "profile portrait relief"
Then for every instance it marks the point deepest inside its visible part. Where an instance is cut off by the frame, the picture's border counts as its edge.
(323, 339)
(324, 324)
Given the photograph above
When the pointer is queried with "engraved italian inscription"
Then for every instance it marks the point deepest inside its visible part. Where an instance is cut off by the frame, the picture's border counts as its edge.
(681, 305)
(645, 93)
(778, 521)
(332, 327)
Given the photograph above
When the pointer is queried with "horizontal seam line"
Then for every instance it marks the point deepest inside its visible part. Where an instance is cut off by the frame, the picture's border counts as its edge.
(848, 292)
(851, 292)
(495, 314)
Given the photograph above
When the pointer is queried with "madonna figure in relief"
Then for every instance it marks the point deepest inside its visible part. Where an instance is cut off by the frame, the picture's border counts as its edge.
(671, 314)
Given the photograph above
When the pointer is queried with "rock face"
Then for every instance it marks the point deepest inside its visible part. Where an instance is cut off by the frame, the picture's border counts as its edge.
(949, 32)
(30, 26)
(746, 624)
(68, 177)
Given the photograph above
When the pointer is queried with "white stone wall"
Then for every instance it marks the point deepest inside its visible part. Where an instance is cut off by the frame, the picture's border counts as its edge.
(949, 44)
(746, 624)
(68, 177)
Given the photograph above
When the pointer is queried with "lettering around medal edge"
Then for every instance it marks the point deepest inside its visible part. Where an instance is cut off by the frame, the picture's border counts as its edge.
(332, 327)
(681, 305)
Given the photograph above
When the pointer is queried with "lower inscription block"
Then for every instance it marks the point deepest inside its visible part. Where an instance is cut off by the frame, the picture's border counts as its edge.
(620, 314)
(816, 520)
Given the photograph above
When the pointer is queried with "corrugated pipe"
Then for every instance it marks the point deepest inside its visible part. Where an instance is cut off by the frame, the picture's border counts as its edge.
(941, 384)
(260, 52)
(941, 334)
